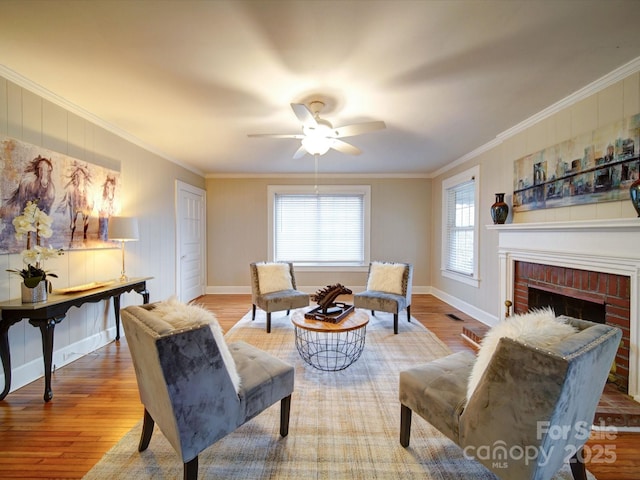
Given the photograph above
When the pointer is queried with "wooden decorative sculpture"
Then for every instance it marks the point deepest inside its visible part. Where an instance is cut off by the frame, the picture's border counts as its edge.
(328, 310)
(325, 297)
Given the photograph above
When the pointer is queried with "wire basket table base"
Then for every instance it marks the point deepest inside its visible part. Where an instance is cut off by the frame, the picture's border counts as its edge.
(330, 351)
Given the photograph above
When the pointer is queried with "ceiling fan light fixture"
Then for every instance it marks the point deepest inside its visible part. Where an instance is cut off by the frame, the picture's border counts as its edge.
(318, 138)
(317, 145)
(318, 135)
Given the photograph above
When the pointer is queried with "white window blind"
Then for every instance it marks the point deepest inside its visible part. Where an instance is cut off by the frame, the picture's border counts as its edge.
(460, 227)
(319, 229)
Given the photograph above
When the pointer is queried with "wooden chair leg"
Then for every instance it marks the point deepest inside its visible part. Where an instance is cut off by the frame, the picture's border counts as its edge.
(191, 470)
(147, 430)
(395, 323)
(253, 313)
(285, 408)
(409, 313)
(405, 425)
(578, 469)
(268, 322)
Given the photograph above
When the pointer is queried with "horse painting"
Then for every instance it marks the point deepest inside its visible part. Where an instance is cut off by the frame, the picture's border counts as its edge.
(35, 184)
(107, 206)
(76, 201)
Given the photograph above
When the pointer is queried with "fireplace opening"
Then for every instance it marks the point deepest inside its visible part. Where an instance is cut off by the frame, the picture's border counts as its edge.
(565, 305)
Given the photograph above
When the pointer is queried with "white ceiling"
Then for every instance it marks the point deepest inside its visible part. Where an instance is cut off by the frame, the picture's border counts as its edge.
(190, 79)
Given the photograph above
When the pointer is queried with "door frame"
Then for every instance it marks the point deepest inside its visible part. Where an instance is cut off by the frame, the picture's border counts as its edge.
(181, 186)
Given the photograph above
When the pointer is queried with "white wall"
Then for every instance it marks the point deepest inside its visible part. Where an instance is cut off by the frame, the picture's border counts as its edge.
(615, 101)
(148, 193)
(238, 232)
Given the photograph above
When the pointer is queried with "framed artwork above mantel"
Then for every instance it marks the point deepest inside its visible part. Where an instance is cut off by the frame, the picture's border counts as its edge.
(598, 166)
(78, 195)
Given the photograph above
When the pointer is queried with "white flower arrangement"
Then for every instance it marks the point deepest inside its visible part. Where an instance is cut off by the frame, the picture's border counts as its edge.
(34, 221)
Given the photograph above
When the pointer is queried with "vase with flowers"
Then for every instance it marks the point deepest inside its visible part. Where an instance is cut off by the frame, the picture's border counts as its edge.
(34, 224)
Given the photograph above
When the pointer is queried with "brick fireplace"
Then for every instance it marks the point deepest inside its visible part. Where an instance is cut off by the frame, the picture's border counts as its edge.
(596, 296)
(597, 262)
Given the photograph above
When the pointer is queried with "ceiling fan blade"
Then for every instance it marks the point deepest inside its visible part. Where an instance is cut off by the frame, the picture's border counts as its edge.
(301, 152)
(345, 147)
(304, 114)
(299, 136)
(359, 128)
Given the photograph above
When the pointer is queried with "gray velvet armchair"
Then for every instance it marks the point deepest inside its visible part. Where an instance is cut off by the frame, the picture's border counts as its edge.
(195, 387)
(273, 289)
(388, 290)
(532, 408)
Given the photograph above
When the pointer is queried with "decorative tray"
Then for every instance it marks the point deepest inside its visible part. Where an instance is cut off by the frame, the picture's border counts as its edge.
(334, 314)
(82, 288)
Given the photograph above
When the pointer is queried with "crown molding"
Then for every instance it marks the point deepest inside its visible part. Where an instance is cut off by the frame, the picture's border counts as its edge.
(48, 95)
(384, 176)
(607, 80)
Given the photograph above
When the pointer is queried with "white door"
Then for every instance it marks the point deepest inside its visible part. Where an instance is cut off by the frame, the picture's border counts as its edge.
(190, 241)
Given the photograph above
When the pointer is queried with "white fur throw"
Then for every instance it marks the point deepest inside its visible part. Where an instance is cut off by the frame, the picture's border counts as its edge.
(386, 277)
(539, 328)
(274, 277)
(180, 315)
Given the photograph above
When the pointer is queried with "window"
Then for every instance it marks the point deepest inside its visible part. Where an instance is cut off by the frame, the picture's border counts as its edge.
(460, 226)
(328, 228)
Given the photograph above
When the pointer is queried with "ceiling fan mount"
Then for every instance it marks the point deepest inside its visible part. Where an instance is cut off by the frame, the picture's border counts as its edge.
(319, 135)
(316, 106)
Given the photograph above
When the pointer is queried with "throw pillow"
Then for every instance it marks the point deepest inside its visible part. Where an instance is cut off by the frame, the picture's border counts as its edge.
(386, 277)
(274, 277)
(539, 328)
(180, 315)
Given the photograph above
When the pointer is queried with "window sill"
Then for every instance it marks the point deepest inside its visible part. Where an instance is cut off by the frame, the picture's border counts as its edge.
(466, 279)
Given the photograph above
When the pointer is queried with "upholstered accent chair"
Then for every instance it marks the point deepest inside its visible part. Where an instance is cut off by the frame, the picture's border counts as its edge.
(193, 385)
(273, 289)
(531, 408)
(388, 290)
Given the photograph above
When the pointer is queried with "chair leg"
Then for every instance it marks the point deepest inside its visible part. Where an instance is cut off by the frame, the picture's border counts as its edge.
(253, 313)
(268, 322)
(147, 430)
(285, 408)
(191, 470)
(405, 425)
(409, 313)
(395, 323)
(373, 313)
(578, 469)
(288, 312)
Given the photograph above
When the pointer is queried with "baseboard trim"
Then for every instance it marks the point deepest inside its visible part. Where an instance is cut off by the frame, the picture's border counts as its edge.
(33, 370)
(244, 290)
(465, 307)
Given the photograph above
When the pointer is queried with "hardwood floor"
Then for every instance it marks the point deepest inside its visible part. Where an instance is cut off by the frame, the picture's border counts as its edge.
(96, 402)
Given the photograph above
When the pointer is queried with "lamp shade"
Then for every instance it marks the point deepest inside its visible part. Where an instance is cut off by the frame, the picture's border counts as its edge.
(123, 229)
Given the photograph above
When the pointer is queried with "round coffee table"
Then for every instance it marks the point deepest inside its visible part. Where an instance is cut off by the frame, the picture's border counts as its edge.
(330, 346)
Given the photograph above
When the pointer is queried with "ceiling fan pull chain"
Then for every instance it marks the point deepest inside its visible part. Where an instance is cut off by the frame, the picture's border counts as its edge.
(316, 173)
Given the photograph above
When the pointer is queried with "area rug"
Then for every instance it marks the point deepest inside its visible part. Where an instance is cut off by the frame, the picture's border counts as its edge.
(343, 424)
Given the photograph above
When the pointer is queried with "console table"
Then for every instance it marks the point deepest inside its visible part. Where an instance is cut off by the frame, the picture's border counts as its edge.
(45, 316)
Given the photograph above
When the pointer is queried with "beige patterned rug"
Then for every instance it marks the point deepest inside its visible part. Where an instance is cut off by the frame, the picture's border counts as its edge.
(344, 425)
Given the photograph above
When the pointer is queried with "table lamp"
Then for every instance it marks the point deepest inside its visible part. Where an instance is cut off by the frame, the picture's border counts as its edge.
(123, 229)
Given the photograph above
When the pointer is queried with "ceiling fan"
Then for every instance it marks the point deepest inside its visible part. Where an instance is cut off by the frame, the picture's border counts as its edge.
(318, 135)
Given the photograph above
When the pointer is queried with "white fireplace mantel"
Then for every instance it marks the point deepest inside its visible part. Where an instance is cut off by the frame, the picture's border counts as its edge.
(610, 246)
